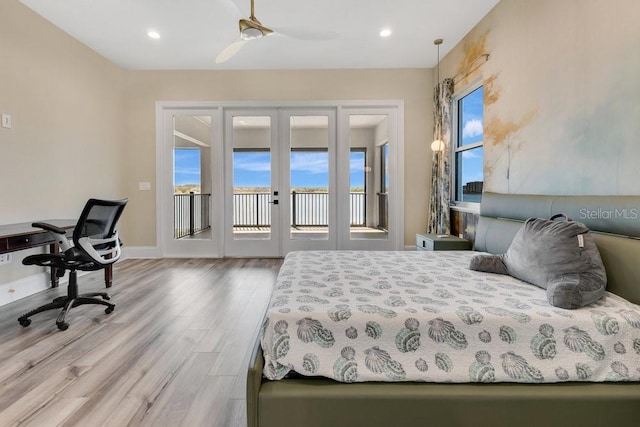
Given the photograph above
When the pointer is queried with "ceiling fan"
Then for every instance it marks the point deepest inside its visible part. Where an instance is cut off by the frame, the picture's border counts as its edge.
(252, 29)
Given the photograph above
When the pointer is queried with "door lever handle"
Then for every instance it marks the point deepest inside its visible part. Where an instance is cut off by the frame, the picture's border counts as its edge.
(275, 202)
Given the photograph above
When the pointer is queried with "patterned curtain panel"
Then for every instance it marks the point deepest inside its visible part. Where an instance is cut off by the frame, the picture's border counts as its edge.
(438, 218)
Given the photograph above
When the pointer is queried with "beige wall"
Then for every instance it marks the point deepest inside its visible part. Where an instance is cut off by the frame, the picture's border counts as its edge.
(67, 139)
(144, 88)
(562, 95)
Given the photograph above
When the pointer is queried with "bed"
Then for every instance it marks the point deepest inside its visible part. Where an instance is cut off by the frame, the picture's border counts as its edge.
(460, 370)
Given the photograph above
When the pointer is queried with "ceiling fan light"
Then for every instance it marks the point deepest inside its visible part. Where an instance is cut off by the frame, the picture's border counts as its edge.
(251, 33)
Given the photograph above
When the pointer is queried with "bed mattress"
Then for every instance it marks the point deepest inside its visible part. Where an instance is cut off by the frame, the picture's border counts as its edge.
(356, 316)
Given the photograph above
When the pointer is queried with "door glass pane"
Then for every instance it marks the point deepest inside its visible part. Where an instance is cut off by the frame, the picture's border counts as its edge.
(251, 177)
(309, 173)
(368, 176)
(192, 177)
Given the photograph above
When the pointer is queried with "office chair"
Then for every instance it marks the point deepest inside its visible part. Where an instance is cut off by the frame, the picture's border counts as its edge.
(95, 245)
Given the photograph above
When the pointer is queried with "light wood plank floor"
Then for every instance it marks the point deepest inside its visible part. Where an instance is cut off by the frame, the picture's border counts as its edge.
(173, 353)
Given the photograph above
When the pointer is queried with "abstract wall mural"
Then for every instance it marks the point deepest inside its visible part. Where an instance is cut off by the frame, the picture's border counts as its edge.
(562, 95)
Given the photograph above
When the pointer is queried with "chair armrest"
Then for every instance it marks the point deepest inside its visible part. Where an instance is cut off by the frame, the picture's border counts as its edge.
(59, 234)
(49, 227)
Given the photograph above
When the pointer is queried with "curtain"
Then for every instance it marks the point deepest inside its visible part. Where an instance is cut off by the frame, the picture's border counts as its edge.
(438, 216)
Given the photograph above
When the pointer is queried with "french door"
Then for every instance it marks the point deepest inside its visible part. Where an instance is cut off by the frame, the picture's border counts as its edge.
(189, 183)
(279, 181)
(308, 164)
(281, 178)
(252, 186)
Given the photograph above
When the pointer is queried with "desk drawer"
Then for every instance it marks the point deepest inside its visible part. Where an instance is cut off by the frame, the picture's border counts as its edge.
(16, 243)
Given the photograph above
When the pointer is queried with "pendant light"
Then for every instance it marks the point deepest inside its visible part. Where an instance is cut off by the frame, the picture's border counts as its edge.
(438, 144)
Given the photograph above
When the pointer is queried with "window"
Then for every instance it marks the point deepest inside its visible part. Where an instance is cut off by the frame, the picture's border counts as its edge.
(468, 150)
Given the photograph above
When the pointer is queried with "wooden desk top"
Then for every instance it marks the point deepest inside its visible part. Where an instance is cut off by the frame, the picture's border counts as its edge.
(15, 237)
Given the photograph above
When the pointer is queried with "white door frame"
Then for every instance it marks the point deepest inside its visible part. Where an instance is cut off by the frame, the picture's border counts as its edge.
(168, 246)
(395, 239)
(217, 109)
(289, 244)
(269, 245)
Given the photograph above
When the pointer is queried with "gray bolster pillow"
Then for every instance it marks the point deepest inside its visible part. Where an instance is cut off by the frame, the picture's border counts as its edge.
(560, 257)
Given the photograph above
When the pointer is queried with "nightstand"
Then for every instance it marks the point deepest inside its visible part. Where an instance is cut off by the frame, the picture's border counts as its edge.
(438, 242)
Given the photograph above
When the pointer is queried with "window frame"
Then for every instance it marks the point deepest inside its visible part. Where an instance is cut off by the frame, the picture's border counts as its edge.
(457, 148)
(384, 160)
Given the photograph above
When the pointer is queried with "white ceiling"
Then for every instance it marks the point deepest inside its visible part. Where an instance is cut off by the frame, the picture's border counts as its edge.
(193, 32)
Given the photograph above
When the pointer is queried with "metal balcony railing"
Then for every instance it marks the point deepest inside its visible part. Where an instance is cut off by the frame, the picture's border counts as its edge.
(251, 210)
(191, 214)
(312, 209)
(192, 211)
(307, 209)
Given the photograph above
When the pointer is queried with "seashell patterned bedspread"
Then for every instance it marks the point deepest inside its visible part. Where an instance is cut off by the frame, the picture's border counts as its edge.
(424, 316)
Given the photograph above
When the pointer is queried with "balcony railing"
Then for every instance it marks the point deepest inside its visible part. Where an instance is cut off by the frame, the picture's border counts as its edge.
(191, 214)
(192, 211)
(312, 209)
(251, 209)
(307, 209)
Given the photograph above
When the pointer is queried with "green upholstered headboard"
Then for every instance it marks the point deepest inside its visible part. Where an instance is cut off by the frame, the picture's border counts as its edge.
(614, 221)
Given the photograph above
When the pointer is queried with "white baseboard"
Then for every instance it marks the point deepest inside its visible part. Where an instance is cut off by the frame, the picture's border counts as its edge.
(17, 289)
(140, 252)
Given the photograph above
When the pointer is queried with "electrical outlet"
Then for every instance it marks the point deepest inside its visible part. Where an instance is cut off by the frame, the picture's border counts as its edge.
(5, 258)
(6, 121)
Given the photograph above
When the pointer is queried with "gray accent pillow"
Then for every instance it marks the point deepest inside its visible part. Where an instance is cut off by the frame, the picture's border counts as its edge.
(560, 257)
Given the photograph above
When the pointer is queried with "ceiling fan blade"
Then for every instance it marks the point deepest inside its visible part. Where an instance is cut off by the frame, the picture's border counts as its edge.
(229, 51)
(306, 33)
(239, 10)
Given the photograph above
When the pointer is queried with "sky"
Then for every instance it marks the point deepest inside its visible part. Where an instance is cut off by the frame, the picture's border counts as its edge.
(472, 131)
(186, 166)
(252, 169)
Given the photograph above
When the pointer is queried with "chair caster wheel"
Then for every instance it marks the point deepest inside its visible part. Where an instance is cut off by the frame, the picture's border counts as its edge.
(63, 326)
(24, 322)
(108, 310)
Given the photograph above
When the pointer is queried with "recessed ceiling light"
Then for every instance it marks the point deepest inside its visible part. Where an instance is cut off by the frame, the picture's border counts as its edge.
(385, 33)
(153, 34)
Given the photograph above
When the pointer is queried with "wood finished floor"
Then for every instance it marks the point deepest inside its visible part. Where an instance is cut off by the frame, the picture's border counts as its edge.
(173, 353)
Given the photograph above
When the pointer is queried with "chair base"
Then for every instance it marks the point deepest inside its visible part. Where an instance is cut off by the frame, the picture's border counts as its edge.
(73, 299)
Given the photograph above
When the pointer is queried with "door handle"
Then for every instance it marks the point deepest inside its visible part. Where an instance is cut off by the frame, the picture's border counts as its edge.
(275, 202)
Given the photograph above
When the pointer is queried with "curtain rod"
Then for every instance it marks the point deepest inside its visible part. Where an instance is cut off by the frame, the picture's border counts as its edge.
(474, 65)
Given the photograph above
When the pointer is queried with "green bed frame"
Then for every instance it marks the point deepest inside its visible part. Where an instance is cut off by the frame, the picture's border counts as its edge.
(311, 402)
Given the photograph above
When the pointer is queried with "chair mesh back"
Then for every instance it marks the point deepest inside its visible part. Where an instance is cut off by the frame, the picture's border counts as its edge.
(98, 219)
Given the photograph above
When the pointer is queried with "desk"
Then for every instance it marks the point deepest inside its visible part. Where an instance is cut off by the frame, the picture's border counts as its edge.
(18, 237)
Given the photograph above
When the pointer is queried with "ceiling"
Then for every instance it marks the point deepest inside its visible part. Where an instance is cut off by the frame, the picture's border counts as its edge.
(193, 32)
